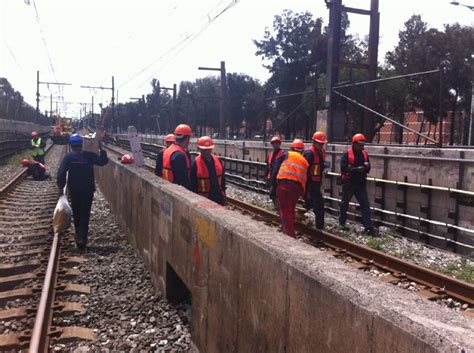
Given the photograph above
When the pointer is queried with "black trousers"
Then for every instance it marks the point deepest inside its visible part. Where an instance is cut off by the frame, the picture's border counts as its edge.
(81, 203)
(350, 189)
(317, 204)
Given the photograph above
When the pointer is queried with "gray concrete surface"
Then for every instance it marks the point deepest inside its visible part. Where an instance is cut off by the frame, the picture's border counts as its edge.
(255, 290)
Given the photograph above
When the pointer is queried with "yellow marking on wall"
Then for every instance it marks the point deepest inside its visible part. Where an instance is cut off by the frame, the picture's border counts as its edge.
(206, 232)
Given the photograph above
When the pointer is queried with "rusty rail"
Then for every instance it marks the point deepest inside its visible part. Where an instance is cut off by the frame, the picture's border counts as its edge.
(438, 282)
(39, 338)
(460, 290)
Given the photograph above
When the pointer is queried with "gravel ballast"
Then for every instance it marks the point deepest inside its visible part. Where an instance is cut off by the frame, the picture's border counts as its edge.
(124, 310)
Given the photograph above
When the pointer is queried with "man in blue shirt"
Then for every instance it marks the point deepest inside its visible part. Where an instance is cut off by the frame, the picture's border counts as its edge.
(79, 167)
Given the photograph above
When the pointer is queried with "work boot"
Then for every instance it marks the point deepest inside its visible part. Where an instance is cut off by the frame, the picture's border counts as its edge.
(80, 245)
(343, 227)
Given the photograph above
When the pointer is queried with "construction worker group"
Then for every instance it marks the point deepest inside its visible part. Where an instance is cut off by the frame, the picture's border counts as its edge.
(292, 174)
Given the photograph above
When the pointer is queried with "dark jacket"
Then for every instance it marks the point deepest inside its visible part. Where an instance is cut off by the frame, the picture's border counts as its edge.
(215, 192)
(309, 156)
(357, 177)
(80, 169)
(180, 170)
(159, 163)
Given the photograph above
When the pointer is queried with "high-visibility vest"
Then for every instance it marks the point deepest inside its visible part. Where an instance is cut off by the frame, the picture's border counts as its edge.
(295, 168)
(37, 150)
(315, 171)
(167, 172)
(351, 161)
(269, 161)
(204, 180)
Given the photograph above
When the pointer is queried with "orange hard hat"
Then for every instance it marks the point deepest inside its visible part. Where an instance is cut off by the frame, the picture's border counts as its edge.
(127, 159)
(25, 162)
(320, 137)
(297, 144)
(170, 138)
(205, 143)
(275, 139)
(183, 130)
(358, 138)
(34, 134)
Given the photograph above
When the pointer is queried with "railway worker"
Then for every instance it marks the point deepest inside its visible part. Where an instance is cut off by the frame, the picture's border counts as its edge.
(169, 140)
(79, 167)
(316, 157)
(355, 165)
(272, 157)
(38, 145)
(36, 169)
(289, 183)
(176, 160)
(207, 172)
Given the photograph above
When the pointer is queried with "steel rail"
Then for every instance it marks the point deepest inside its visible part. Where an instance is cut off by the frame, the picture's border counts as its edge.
(455, 288)
(438, 282)
(39, 338)
(17, 178)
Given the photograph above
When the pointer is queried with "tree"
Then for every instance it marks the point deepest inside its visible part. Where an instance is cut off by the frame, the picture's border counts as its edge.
(421, 48)
(294, 50)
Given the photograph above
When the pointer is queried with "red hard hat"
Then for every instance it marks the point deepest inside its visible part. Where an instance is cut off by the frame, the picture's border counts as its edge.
(127, 159)
(297, 144)
(205, 143)
(358, 138)
(275, 139)
(170, 138)
(25, 162)
(183, 129)
(34, 134)
(320, 137)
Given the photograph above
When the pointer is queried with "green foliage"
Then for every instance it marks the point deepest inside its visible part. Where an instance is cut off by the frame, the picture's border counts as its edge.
(420, 49)
(377, 243)
(463, 270)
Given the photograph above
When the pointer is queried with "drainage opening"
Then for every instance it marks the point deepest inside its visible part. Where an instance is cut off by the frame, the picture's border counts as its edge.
(178, 294)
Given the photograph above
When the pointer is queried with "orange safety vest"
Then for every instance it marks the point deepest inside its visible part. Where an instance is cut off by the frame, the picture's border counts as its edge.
(204, 180)
(167, 172)
(351, 160)
(295, 168)
(269, 161)
(315, 171)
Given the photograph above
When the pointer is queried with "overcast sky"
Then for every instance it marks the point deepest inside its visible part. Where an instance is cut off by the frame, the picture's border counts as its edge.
(85, 42)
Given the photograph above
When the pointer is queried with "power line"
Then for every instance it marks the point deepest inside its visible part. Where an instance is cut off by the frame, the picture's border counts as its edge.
(53, 71)
(189, 38)
(193, 38)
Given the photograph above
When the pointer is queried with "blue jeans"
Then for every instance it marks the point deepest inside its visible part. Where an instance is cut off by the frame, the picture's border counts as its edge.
(360, 192)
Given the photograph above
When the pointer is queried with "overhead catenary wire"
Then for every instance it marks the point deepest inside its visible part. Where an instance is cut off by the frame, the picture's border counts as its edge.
(184, 42)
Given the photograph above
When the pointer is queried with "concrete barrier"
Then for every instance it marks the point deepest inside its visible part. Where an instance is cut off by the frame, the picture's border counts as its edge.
(22, 127)
(255, 290)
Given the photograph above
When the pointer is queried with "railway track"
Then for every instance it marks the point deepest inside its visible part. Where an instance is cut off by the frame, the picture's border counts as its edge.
(34, 268)
(432, 285)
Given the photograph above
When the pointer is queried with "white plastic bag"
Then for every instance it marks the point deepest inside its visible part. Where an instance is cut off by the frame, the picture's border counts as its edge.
(62, 215)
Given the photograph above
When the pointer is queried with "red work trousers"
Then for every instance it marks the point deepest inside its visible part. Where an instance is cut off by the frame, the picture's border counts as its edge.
(288, 194)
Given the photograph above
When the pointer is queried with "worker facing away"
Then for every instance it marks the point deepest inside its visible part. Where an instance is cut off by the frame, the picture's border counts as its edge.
(316, 157)
(169, 140)
(78, 165)
(272, 157)
(289, 183)
(207, 172)
(37, 145)
(35, 169)
(355, 165)
(176, 160)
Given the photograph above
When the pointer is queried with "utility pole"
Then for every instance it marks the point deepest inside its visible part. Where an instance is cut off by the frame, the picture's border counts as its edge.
(112, 102)
(223, 97)
(38, 82)
(173, 105)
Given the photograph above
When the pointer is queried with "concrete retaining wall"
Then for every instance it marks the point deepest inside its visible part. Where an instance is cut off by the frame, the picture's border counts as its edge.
(21, 127)
(416, 168)
(255, 290)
